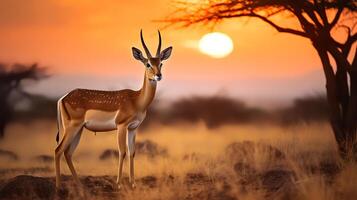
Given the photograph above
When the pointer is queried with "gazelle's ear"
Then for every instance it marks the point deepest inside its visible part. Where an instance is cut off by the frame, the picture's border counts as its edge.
(165, 54)
(137, 54)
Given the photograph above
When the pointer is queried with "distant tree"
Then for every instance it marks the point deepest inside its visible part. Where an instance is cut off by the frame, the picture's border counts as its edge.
(40, 107)
(222, 110)
(11, 78)
(312, 108)
(317, 19)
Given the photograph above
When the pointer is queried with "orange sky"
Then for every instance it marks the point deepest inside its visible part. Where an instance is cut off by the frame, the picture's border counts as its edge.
(87, 43)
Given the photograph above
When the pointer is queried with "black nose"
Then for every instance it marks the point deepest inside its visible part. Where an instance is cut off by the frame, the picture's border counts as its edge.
(159, 77)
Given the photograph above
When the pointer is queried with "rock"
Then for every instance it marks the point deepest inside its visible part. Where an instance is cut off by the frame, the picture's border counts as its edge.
(28, 187)
(109, 154)
(8, 154)
(149, 148)
(31, 170)
(99, 185)
(276, 179)
(197, 179)
(261, 165)
(150, 181)
(201, 186)
(44, 158)
(145, 147)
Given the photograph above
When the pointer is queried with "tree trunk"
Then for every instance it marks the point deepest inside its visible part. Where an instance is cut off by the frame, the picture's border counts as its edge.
(4, 118)
(351, 117)
(5, 112)
(342, 102)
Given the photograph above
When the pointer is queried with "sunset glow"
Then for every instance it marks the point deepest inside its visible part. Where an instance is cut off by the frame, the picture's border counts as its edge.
(217, 45)
(88, 44)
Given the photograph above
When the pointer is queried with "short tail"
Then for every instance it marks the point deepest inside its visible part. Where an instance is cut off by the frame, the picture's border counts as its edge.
(60, 106)
(57, 137)
(59, 119)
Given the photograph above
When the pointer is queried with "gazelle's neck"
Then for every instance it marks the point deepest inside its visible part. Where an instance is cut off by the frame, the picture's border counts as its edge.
(146, 93)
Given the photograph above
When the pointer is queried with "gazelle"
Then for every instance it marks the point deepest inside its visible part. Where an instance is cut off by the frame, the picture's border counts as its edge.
(101, 111)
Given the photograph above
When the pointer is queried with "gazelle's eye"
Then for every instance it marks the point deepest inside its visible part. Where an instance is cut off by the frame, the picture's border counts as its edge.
(148, 65)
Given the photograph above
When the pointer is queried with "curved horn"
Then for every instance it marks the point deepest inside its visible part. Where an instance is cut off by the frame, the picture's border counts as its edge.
(144, 45)
(159, 46)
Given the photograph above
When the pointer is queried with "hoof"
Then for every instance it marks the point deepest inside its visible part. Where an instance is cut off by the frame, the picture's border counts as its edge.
(59, 188)
(133, 185)
(61, 192)
(119, 186)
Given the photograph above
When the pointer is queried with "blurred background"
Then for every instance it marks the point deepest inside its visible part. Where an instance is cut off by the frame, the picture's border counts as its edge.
(86, 44)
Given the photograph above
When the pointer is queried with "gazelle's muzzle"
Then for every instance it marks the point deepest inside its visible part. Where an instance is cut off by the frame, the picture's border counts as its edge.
(158, 77)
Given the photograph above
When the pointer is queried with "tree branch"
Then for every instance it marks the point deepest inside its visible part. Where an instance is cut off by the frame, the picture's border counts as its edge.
(320, 8)
(354, 62)
(351, 39)
(278, 28)
(336, 18)
(310, 11)
(310, 29)
(339, 58)
(225, 14)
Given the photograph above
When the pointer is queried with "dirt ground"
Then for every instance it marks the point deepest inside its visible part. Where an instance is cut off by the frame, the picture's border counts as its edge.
(182, 162)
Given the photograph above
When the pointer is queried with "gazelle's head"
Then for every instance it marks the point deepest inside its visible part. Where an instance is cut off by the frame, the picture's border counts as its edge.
(152, 64)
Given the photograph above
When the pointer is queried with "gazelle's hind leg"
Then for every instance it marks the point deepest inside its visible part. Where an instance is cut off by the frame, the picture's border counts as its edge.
(68, 136)
(69, 152)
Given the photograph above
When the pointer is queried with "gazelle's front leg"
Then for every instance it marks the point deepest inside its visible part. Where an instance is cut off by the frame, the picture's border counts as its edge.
(122, 132)
(131, 151)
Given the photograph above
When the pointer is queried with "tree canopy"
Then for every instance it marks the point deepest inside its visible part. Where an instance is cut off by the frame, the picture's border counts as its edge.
(11, 78)
(313, 15)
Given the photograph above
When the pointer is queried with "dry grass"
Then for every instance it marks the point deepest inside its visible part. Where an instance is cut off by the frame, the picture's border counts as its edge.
(200, 151)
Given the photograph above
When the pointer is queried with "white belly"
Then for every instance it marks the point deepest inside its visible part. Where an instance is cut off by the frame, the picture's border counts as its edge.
(134, 124)
(137, 121)
(100, 121)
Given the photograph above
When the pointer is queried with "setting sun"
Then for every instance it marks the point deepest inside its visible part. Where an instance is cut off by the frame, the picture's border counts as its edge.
(217, 45)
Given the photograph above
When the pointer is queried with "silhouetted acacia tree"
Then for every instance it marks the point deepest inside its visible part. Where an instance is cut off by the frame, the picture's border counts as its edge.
(11, 77)
(317, 19)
